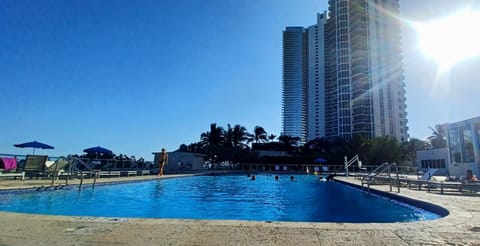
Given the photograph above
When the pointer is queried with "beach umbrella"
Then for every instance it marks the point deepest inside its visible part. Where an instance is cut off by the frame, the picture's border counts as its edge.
(98, 150)
(34, 145)
(320, 160)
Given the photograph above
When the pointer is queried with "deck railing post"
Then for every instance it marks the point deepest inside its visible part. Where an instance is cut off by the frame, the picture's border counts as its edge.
(398, 180)
(390, 176)
(54, 172)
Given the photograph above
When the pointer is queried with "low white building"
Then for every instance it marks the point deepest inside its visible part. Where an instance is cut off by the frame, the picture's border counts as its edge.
(181, 161)
(433, 158)
(461, 154)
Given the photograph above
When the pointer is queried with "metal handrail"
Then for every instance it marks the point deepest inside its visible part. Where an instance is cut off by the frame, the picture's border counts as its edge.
(348, 163)
(374, 171)
(380, 169)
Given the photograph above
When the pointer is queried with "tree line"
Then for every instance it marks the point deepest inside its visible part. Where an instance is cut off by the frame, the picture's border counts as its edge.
(237, 144)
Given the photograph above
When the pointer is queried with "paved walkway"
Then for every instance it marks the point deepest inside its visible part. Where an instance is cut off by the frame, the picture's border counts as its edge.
(461, 227)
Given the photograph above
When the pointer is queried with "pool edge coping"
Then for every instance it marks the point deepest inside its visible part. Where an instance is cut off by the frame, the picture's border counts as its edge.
(426, 205)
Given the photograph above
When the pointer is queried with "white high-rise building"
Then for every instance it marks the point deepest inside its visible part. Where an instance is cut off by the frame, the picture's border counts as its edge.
(316, 79)
(354, 76)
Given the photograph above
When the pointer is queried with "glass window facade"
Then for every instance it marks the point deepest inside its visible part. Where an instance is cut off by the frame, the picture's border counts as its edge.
(461, 145)
(464, 147)
(436, 163)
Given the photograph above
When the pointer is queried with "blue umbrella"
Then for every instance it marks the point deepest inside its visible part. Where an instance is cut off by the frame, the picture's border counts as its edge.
(320, 160)
(34, 145)
(98, 150)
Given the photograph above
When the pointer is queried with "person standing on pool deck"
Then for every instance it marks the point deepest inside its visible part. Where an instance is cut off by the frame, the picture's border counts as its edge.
(163, 161)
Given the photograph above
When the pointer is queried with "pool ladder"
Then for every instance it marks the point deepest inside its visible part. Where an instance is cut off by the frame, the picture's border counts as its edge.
(368, 179)
(95, 175)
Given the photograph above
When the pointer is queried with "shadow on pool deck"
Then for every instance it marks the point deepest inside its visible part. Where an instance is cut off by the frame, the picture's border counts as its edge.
(461, 226)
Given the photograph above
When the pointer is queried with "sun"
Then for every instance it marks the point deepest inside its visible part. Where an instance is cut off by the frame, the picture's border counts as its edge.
(450, 40)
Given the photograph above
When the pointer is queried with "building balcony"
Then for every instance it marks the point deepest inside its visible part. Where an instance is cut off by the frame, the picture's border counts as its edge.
(358, 28)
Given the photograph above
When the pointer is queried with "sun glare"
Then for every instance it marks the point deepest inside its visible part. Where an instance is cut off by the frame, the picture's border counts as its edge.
(452, 39)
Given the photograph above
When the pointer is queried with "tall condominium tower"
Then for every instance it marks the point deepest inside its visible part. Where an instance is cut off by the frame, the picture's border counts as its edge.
(294, 97)
(364, 70)
(316, 79)
(355, 77)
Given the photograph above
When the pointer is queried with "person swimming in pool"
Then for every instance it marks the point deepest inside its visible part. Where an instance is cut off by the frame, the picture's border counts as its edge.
(331, 176)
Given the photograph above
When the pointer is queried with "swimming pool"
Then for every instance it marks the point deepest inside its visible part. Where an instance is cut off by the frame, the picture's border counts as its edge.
(231, 197)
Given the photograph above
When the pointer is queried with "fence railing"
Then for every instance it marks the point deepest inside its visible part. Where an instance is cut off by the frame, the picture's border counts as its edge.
(113, 164)
(23, 157)
(108, 164)
(261, 167)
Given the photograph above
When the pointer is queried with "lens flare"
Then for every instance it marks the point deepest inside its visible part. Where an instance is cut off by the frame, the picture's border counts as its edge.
(450, 40)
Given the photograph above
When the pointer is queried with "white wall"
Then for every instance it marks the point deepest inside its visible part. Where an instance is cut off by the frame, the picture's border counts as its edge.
(181, 161)
(433, 154)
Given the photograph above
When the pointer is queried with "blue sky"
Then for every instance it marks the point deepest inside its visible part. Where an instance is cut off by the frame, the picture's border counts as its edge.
(136, 76)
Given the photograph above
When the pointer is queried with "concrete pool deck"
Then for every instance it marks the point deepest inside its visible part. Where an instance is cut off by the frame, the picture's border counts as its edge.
(460, 227)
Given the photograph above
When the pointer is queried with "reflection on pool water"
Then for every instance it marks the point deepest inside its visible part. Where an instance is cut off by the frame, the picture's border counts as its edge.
(231, 197)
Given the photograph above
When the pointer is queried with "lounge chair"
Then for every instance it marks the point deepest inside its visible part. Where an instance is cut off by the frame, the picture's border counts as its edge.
(429, 174)
(9, 168)
(143, 172)
(54, 167)
(35, 165)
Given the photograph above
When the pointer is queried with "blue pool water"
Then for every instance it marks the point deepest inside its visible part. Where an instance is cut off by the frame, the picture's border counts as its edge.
(234, 197)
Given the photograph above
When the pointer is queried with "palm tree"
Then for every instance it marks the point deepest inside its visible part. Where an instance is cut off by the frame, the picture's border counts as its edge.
(236, 137)
(260, 135)
(213, 138)
(438, 137)
(271, 137)
(228, 137)
(239, 136)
